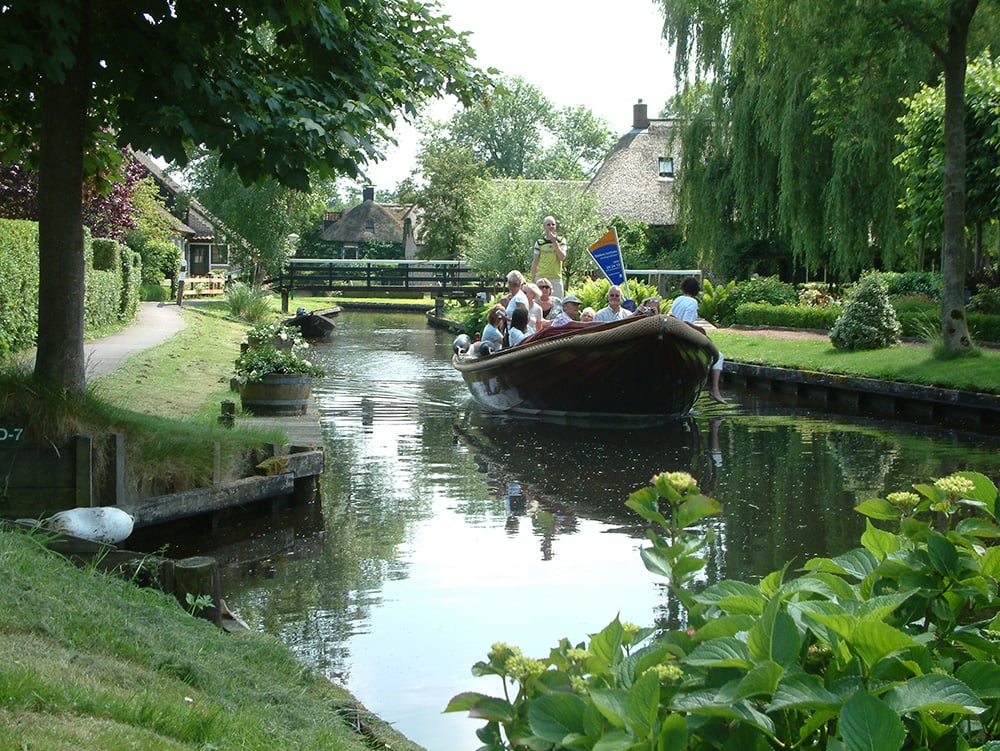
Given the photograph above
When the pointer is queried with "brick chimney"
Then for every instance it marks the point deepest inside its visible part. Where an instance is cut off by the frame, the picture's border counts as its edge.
(368, 194)
(640, 116)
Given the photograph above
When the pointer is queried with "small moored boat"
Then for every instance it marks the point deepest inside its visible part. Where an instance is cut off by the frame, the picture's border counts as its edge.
(316, 324)
(644, 368)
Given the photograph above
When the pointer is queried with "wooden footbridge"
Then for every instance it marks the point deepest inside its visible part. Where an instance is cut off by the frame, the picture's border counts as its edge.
(443, 279)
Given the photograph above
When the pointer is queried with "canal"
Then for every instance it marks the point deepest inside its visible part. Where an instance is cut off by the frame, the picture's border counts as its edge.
(444, 531)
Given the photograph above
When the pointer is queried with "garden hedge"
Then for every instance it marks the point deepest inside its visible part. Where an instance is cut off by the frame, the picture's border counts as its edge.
(112, 284)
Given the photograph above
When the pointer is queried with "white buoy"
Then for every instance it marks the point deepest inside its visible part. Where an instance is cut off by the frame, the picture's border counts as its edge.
(105, 524)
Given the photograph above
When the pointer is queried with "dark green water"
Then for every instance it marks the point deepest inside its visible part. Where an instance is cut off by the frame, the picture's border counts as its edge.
(445, 531)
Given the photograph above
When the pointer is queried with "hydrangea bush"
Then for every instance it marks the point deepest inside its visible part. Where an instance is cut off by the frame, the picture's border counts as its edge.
(869, 320)
(894, 645)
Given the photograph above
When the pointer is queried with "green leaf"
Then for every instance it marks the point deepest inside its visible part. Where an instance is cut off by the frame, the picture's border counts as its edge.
(611, 704)
(607, 645)
(495, 710)
(868, 724)
(555, 716)
(616, 740)
(642, 704)
(775, 636)
(879, 542)
(760, 681)
(727, 625)
(878, 508)
(981, 677)
(728, 588)
(720, 653)
(984, 491)
(465, 701)
(657, 562)
(943, 554)
(803, 691)
(673, 734)
(934, 693)
(978, 527)
(875, 640)
(695, 508)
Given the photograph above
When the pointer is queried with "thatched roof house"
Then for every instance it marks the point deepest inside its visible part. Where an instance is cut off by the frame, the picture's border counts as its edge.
(636, 181)
(369, 226)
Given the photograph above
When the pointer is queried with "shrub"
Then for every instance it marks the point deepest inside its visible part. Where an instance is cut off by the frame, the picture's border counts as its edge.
(891, 645)
(868, 320)
(768, 289)
(594, 292)
(717, 304)
(154, 292)
(249, 302)
(792, 316)
(924, 283)
(986, 300)
(18, 285)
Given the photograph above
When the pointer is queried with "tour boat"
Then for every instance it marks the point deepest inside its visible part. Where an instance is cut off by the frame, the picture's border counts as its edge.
(643, 368)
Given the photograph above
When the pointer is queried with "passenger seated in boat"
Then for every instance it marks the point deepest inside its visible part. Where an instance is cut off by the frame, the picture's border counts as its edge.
(571, 309)
(551, 306)
(536, 318)
(517, 298)
(587, 315)
(650, 307)
(518, 327)
(492, 338)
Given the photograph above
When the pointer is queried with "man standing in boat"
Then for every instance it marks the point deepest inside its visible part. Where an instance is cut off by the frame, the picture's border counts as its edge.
(549, 254)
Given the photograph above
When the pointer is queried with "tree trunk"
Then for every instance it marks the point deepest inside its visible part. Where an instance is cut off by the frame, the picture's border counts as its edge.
(59, 360)
(954, 325)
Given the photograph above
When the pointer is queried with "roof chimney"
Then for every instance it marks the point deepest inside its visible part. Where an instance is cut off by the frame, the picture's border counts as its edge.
(640, 118)
(368, 194)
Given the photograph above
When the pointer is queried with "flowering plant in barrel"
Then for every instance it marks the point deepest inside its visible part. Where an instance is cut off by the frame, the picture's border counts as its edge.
(276, 333)
(258, 362)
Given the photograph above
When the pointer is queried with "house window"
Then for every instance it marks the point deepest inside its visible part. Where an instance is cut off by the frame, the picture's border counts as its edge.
(666, 167)
(370, 228)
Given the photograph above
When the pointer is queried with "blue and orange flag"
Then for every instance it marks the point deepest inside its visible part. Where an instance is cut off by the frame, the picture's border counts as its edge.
(608, 255)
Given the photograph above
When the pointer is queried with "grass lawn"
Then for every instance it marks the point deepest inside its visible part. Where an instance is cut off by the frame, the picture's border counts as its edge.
(89, 661)
(909, 364)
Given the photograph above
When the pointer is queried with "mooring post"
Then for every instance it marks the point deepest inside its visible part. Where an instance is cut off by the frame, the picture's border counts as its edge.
(228, 416)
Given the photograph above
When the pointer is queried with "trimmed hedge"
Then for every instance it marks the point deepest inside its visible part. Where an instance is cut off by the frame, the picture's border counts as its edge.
(916, 320)
(18, 285)
(791, 316)
(112, 288)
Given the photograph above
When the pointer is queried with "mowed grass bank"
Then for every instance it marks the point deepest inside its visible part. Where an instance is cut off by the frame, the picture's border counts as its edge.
(906, 363)
(91, 661)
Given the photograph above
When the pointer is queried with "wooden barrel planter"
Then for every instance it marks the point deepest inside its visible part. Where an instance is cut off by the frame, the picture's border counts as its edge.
(277, 394)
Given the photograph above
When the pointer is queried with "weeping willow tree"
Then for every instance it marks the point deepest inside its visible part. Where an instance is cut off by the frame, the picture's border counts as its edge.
(793, 113)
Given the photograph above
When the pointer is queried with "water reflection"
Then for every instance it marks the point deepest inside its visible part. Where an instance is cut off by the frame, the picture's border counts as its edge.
(447, 530)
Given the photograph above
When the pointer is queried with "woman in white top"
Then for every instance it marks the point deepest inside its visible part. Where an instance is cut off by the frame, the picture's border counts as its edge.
(536, 317)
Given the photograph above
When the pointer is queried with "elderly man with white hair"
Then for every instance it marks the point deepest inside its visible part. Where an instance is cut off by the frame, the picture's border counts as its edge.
(614, 310)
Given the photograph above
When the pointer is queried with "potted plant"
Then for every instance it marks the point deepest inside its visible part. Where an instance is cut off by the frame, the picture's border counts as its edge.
(275, 381)
(273, 333)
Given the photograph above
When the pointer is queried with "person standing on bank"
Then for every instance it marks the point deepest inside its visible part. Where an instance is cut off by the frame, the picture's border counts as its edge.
(181, 277)
(685, 308)
(549, 254)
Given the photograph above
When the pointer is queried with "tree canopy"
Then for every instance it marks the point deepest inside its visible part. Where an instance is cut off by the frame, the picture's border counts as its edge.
(279, 88)
(799, 108)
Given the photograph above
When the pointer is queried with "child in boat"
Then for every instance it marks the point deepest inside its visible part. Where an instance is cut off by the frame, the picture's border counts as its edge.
(492, 338)
(518, 326)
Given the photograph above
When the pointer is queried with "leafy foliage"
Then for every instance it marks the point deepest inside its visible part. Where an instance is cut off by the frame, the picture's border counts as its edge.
(249, 302)
(887, 646)
(454, 181)
(508, 219)
(272, 348)
(594, 292)
(869, 320)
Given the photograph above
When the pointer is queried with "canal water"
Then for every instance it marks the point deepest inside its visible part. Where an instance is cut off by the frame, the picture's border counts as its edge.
(443, 531)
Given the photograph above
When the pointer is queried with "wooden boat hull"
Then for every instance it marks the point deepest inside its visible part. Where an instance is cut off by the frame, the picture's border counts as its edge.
(642, 368)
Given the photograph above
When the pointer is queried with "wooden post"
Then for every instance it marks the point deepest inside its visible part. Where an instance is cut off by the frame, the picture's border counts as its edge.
(199, 576)
(84, 476)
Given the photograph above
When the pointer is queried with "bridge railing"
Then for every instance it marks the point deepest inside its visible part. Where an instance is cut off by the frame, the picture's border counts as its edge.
(436, 278)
